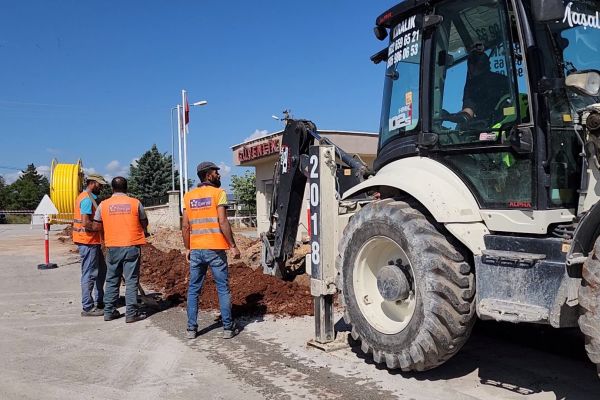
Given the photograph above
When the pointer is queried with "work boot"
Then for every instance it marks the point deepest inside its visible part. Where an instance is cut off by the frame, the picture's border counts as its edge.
(229, 333)
(94, 312)
(114, 315)
(191, 334)
(138, 316)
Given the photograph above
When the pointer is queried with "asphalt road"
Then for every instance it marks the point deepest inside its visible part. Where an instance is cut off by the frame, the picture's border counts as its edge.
(48, 351)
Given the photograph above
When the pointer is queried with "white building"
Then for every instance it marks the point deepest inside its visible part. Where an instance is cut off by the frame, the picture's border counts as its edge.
(263, 153)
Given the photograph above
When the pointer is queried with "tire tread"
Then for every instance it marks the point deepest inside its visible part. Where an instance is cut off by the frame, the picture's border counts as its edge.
(589, 301)
(451, 313)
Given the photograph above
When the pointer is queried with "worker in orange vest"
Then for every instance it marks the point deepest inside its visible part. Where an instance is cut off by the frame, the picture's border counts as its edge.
(88, 241)
(125, 229)
(206, 235)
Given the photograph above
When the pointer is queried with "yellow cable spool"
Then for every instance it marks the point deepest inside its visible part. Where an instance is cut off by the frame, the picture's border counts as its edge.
(66, 182)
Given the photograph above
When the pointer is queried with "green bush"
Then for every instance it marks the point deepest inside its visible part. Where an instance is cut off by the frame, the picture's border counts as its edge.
(18, 219)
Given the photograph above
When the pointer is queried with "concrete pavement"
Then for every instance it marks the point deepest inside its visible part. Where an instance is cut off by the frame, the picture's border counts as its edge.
(49, 351)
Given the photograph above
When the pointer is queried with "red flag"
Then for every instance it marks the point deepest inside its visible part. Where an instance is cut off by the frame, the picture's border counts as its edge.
(187, 112)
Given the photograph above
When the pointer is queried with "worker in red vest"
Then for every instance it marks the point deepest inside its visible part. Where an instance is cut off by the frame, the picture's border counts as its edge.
(88, 241)
(206, 235)
(124, 222)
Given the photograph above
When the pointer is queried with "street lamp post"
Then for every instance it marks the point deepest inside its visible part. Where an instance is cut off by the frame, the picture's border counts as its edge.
(172, 151)
(182, 134)
(179, 129)
(184, 125)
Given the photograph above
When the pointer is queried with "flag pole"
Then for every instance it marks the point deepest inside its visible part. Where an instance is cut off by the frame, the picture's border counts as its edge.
(179, 124)
(172, 153)
(185, 159)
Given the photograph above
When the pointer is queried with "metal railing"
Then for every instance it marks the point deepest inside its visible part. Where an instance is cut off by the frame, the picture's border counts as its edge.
(243, 220)
(156, 201)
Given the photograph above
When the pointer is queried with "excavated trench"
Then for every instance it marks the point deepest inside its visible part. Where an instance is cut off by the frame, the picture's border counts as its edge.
(165, 270)
(253, 293)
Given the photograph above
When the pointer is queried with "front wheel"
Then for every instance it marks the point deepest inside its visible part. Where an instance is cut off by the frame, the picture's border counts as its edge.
(589, 301)
(408, 294)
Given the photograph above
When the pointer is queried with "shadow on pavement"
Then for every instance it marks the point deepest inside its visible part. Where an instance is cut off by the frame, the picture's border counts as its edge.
(520, 358)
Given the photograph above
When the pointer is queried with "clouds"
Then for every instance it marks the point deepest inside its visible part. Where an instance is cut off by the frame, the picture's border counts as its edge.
(90, 170)
(112, 169)
(44, 170)
(258, 133)
(10, 177)
(225, 169)
(115, 168)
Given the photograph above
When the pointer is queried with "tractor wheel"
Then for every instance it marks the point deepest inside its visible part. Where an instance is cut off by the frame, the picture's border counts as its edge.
(408, 294)
(589, 301)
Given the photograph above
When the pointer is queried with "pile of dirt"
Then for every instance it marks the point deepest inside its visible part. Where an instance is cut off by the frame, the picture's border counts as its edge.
(68, 231)
(65, 234)
(253, 293)
(166, 239)
(250, 250)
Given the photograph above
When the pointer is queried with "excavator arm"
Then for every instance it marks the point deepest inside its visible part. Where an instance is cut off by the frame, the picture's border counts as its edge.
(289, 182)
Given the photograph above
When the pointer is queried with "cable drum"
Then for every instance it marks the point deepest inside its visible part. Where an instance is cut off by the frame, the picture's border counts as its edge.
(66, 182)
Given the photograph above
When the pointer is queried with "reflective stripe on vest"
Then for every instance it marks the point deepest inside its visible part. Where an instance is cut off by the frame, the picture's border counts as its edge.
(203, 220)
(80, 235)
(205, 231)
(201, 208)
(121, 222)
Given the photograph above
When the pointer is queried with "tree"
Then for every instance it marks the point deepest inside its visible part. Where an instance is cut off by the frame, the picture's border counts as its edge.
(105, 192)
(2, 193)
(244, 190)
(150, 179)
(27, 191)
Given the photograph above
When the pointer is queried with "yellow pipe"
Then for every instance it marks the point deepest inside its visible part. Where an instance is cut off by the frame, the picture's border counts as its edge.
(66, 184)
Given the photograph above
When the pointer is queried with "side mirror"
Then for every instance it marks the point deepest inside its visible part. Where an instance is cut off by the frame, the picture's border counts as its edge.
(431, 21)
(547, 10)
(584, 82)
(380, 32)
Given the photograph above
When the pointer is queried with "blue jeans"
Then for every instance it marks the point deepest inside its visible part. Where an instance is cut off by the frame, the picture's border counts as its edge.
(122, 261)
(200, 260)
(93, 274)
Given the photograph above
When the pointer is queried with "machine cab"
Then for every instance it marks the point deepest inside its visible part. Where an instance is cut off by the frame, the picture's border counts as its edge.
(479, 85)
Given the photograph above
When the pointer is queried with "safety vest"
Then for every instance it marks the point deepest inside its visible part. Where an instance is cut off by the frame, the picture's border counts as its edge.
(80, 235)
(201, 208)
(121, 222)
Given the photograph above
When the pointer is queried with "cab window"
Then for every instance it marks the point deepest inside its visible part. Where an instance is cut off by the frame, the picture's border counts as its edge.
(400, 109)
(475, 99)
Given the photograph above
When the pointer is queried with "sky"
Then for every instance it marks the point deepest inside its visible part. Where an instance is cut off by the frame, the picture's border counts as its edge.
(96, 80)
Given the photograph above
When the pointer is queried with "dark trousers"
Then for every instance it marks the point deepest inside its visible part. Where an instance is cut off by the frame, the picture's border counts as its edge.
(123, 261)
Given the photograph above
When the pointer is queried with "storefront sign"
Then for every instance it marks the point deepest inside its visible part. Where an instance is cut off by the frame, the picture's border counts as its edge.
(258, 150)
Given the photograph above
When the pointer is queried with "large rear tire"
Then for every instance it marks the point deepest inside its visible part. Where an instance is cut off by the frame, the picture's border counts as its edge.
(433, 319)
(589, 301)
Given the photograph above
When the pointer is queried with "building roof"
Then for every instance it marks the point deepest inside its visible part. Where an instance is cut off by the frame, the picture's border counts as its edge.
(321, 131)
(266, 148)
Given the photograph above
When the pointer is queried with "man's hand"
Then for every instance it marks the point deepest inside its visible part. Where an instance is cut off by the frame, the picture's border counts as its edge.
(188, 255)
(459, 118)
(236, 253)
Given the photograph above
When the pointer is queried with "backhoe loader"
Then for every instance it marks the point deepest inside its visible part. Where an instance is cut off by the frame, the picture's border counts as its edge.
(483, 199)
